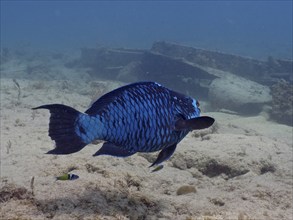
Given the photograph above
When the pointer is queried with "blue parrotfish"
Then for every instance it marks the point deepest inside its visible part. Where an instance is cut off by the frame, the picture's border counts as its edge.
(139, 117)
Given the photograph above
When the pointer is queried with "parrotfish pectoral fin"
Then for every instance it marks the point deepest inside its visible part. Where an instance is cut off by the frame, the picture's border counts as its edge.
(113, 150)
(165, 154)
(194, 123)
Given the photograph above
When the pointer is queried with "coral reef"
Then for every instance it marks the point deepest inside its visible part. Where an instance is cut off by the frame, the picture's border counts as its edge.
(282, 109)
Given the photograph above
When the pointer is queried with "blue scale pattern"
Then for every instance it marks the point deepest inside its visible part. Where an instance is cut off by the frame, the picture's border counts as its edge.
(139, 117)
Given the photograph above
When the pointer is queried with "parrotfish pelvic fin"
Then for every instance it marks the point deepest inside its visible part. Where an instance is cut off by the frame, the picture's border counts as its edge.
(113, 150)
(165, 154)
(194, 123)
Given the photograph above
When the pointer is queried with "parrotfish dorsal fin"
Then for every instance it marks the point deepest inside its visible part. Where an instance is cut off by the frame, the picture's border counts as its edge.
(194, 123)
(165, 154)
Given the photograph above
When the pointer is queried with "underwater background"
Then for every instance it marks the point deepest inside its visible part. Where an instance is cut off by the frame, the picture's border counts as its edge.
(234, 57)
(253, 28)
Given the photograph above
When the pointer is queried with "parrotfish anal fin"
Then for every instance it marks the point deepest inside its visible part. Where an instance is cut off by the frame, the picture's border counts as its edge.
(194, 123)
(165, 154)
(113, 150)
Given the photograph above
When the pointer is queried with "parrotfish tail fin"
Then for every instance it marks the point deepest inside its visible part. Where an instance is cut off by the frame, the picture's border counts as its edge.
(62, 129)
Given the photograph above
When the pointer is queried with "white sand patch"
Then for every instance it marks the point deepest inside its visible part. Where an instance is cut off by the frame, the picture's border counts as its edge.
(240, 170)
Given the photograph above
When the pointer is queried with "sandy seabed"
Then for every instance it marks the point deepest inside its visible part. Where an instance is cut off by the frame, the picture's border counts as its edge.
(239, 169)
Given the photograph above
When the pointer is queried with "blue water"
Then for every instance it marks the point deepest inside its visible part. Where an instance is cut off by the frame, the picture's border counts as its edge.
(251, 28)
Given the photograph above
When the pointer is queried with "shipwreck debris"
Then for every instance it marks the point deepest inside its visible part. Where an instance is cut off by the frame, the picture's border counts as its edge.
(196, 72)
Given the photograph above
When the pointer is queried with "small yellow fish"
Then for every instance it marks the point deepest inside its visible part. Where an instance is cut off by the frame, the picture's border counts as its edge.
(67, 177)
(158, 168)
